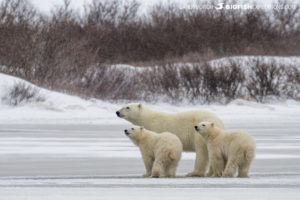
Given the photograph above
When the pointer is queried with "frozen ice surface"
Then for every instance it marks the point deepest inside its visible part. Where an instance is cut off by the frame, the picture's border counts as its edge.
(97, 193)
(83, 161)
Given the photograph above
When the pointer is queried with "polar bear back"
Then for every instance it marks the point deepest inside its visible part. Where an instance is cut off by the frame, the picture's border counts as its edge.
(235, 142)
(181, 124)
(164, 146)
(169, 122)
(159, 143)
(168, 142)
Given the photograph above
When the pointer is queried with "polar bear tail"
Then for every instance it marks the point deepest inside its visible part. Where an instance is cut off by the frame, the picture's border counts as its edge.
(249, 155)
(172, 155)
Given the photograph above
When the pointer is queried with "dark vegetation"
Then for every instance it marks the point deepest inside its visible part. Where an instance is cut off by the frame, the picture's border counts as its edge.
(70, 52)
(21, 93)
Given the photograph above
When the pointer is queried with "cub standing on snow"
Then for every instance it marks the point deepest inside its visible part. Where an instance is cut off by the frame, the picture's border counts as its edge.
(235, 148)
(161, 152)
(181, 124)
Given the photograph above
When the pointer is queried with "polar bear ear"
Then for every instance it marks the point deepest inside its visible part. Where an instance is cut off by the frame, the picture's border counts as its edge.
(140, 105)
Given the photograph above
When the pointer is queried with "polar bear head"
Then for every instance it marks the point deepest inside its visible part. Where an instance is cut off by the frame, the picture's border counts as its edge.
(204, 128)
(135, 134)
(130, 112)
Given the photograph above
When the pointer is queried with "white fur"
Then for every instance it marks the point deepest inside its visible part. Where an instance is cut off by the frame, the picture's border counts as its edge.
(181, 124)
(161, 152)
(228, 151)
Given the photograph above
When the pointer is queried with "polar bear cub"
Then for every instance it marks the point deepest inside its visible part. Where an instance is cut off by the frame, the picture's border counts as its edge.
(235, 149)
(160, 152)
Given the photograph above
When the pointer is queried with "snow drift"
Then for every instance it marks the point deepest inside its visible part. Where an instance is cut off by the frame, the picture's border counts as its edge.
(57, 107)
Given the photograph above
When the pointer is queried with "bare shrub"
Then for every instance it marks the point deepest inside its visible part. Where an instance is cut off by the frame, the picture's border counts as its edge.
(21, 93)
(111, 83)
(230, 82)
(164, 81)
(19, 24)
(192, 81)
(265, 81)
(291, 85)
(195, 82)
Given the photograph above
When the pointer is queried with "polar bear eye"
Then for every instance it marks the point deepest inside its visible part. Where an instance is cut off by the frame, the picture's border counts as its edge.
(203, 124)
(132, 128)
(127, 108)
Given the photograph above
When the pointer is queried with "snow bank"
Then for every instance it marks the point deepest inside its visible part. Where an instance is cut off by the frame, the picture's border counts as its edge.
(244, 62)
(57, 107)
(63, 108)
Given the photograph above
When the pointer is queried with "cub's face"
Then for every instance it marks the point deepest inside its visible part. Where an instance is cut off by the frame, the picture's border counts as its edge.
(130, 111)
(203, 128)
(134, 133)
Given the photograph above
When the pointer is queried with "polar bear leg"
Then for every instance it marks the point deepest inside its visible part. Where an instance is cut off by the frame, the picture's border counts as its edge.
(158, 169)
(245, 164)
(209, 171)
(148, 162)
(243, 169)
(231, 167)
(216, 163)
(201, 157)
(171, 170)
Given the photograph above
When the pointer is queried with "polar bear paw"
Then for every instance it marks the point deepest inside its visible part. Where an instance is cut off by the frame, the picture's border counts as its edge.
(146, 175)
(195, 174)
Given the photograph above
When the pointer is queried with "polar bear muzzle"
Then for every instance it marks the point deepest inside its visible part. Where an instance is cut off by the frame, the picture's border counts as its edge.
(126, 132)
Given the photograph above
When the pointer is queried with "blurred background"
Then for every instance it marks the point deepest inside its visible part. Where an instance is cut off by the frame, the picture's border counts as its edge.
(170, 51)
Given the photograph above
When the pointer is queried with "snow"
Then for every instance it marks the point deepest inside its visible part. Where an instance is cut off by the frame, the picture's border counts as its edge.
(57, 107)
(79, 161)
(148, 194)
(112, 148)
(62, 108)
(245, 62)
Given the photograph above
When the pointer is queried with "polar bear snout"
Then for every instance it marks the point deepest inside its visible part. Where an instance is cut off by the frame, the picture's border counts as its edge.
(197, 128)
(126, 132)
(118, 113)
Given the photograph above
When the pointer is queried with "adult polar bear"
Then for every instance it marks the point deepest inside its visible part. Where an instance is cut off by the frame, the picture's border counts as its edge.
(181, 124)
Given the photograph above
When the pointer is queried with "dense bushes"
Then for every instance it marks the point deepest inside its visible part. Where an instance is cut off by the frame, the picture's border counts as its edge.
(203, 83)
(112, 31)
(222, 83)
(73, 52)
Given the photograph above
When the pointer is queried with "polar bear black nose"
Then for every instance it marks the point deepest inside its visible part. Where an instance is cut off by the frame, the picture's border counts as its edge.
(196, 128)
(126, 132)
(118, 113)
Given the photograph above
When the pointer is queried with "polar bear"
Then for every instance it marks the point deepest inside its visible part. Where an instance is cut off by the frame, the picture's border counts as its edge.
(181, 124)
(235, 149)
(160, 152)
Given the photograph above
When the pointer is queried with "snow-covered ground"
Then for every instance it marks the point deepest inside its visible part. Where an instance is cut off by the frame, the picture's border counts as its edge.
(81, 161)
(148, 194)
